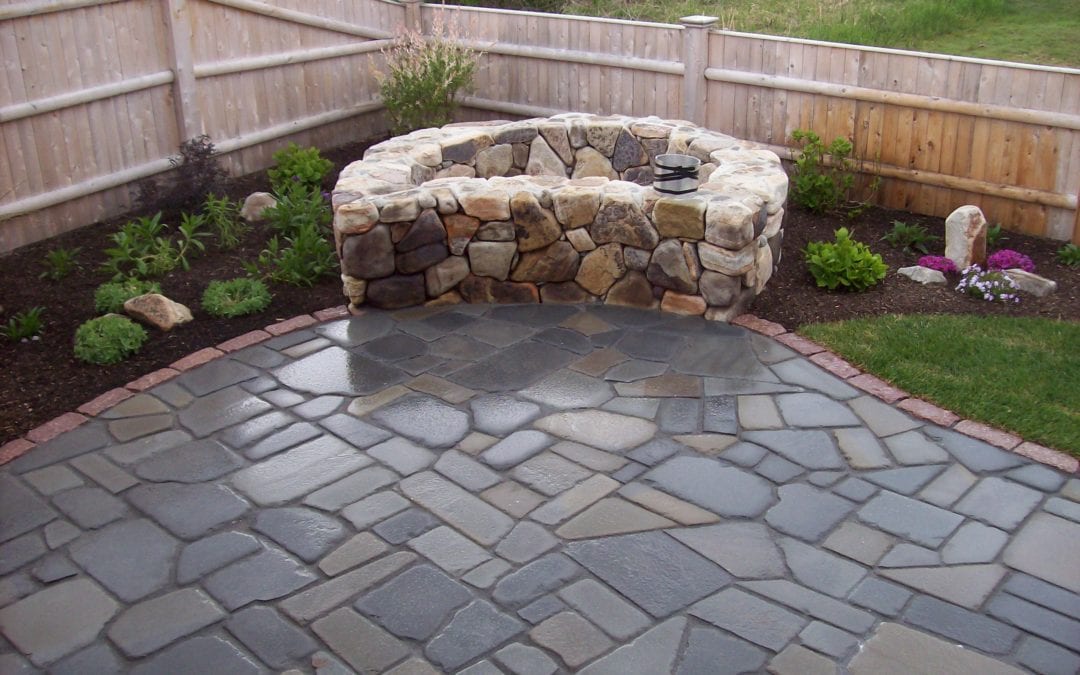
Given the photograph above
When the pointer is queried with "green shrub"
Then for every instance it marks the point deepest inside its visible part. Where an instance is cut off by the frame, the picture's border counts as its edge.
(423, 77)
(307, 256)
(143, 248)
(298, 166)
(235, 297)
(111, 296)
(222, 215)
(912, 238)
(59, 263)
(845, 264)
(1069, 255)
(108, 339)
(994, 236)
(23, 326)
(296, 209)
(814, 186)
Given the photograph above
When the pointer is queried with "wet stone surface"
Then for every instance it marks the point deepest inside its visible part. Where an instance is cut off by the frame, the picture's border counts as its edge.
(529, 489)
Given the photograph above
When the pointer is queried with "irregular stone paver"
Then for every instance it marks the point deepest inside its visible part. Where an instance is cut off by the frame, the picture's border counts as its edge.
(406, 492)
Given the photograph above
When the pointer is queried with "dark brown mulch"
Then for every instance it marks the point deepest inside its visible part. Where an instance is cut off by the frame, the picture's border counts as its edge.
(42, 379)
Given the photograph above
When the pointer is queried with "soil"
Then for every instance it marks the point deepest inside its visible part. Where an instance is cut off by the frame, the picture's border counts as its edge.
(41, 379)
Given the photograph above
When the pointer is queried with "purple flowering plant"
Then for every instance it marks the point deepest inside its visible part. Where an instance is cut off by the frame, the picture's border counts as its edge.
(989, 285)
(939, 263)
(1007, 259)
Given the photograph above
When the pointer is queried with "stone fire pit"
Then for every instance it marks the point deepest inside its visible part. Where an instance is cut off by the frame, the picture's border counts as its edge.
(559, 210)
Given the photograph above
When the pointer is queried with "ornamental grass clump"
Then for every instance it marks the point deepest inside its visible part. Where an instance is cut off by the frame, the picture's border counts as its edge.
(988, 285)
(1008, 259)
(939, 263)
(235, 297)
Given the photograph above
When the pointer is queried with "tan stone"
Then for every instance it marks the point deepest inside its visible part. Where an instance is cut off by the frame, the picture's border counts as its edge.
(566, 292)
(398, 208)
(732, 263)
(521, 155)
(487, 290)
(580, 240)
(965, 237)
(255, 204)
(621, 219)
(729, 223)
(457, 171)
(1032, 283)
(673, 267)
(494, 161)
(543, 161)
(459, 231)
(601, 268)
(558, 140)
(356, 218)
(603, 134)
(354, 289)
(502, 230)
(763, 265)
(558, 262)
(719, 290)
(589, 162)
(462, 148)
(577, 134)
(576, 206)
(633, 290)
(445, 203)
(486, 204)
(650, 130)
(491, 258)
(158, 311)
(680, 303)
(536, 226)
(427, 154)
(451, 298)
(443, 276)
(680, 217)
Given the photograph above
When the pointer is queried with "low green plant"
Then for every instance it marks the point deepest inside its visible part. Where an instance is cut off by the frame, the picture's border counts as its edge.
(845, 263)
(994, 236)
(59, 263)
(297, 208)
(298, 166)
(423, 76)
(23, 326)
(988, 285)
(1069, 255)
(913, 238)
(111, 296)
(815, 186)
(108, 339)
(235, 297)
(306, 256)
(222, 216)
(143, 248)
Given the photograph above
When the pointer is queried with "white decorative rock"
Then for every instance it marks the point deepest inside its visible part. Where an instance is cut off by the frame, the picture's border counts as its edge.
(255, 204)
(965, 236)
(923, 275)
(1032, 283)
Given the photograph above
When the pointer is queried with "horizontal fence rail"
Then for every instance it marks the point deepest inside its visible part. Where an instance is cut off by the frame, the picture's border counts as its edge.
(124, 82)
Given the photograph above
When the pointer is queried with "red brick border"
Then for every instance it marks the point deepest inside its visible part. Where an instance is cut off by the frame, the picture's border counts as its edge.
(105, 401)
(246, 340)
(196, 359)
(289, 325)
(55, 427)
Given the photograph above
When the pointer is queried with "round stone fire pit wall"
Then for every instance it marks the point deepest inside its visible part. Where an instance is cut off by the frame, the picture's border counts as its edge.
(559, 209)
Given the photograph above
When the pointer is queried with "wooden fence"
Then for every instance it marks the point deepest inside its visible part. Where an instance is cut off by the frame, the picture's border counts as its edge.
(96, 94)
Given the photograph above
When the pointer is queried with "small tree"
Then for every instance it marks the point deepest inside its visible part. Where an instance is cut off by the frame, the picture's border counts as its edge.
(423, 76)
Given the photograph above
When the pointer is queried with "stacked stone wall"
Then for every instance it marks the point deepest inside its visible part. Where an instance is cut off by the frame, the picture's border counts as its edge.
(559, 209)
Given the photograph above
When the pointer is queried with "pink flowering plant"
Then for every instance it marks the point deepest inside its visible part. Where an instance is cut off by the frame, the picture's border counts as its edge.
(989, 285)
(939, 263)
(1008, 259)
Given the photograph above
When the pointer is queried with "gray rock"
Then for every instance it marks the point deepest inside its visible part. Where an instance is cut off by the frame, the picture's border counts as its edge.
(709, 650)
(415, 603)
(132, 558)
(1044, 657)
(365, 646)
(922, 275)
(1045, 548)
(193, 462)
(152, 624)
(402, 456)
(922, 523)
(1034, 619)
(812, 449)
(535, 579)
(746, 550)
(820, 570)
(221, 409)
(57, 620)
(199, 655)
(212, 553)
(351, 489)
(273, 639)
(20, 509)
(881, 596)
(425, 420)
(815, 604)
(516, 448)
(473, 631)
(905, 481)
(806, 512)
(404, 526)
(84, 439)
(17, 552)
(612, 614)
(499, 414)
(1042, 593)
(266, 576)
(304, 532)
(724, 490)
(961, 625)
(526, 541)
(188, 511)
(750, 618)
(336, 371)
(299, 471)
(974, 454)
(1000, 502)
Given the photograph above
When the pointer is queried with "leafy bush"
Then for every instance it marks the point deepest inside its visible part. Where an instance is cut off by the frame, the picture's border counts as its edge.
(423, 77)
(111, 296)
(1069, 255)
(307, 256)
(59, 263)
(297, 208)
(991, 285)
(1007, 259)
(23, 326)
(223, 216)
(994, 236)
(198, 173)
(939, 263)
(142, 247)
(814, 186)
(108, 339)
(845, 264)
(296, 165)
(235, 297)
(909, 237)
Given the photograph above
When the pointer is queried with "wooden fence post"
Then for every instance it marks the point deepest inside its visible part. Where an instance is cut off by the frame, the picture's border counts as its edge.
(696, 59)
(178, 21)
(413, 20)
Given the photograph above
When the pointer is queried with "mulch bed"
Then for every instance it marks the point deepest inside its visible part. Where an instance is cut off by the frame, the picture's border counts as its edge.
(41, 380)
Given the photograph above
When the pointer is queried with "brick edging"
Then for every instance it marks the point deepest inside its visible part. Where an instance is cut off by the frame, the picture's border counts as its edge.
(817, 353)
(882, 390)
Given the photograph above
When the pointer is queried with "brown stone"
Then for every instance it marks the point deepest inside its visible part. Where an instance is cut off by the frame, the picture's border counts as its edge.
(354, 289)
(521, 132)
(463, 150)
(445, 202)
(576, 133)
(678, 303)
(680, 217)
(566, 292)
(451, 298)
(719, 290)
(492, 258)
(536, 226)
(654, 147)
(487, 290)
(368, 256)
(158, 311)
(601, 268)
(486, 204)
(633, 290)
(642, 175)
(636, 258)
(729, 223)
(763, 265)
(494, 161)
(502, 230)
(396, 292)
(603, 134)
(576, 206)
(650, 130)
(543, 161)
(399, 208)
(398, 231)
(628, 152)
(580, 240)
(427, 229)
(965, 237)
(558, 140)
(621, 219)
(670, 269)
(440, 278)
(590, 162)
(558, 262)
(355, 218)
(733, 263)
(459, 231)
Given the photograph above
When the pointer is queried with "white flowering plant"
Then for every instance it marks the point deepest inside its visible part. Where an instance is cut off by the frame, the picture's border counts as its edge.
(989, 285)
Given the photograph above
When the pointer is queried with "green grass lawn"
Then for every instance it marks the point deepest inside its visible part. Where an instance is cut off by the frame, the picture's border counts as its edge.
(1033, 31)
(1019, 374)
